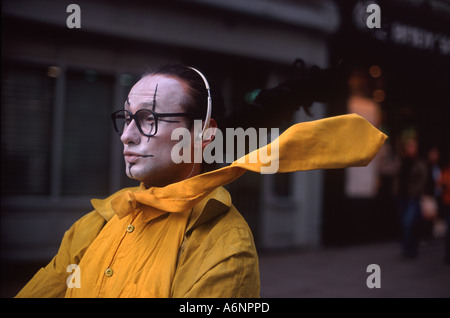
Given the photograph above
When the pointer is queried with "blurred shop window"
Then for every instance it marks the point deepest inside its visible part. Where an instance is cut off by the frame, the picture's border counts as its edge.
(26, 129)
(362, 182)
(283, 182)
(86, 133)
(282, 185)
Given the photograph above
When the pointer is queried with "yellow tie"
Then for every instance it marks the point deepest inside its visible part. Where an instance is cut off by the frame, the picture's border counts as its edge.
(330, 143)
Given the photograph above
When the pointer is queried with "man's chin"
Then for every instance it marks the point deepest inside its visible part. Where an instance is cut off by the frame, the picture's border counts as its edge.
(158, 177)
(134, 173)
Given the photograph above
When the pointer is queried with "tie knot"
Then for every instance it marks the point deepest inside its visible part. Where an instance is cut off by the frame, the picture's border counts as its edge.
(124, 204)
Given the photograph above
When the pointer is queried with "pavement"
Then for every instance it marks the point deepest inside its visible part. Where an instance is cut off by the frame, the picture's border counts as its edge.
(342, 272)
(338, 272)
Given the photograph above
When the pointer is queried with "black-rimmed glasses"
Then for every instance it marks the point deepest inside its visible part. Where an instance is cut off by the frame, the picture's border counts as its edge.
(145, 119)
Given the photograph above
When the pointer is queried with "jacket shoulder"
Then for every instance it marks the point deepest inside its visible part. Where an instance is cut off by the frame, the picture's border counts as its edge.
(218, 259)
(50, 281)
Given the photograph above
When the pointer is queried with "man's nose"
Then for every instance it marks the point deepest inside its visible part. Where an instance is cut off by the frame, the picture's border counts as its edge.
(131, 134)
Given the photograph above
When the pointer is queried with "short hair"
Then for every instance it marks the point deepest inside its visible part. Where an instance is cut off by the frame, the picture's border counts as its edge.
(197, 96)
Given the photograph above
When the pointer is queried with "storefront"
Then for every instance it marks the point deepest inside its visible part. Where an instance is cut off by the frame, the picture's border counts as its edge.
(398, 77)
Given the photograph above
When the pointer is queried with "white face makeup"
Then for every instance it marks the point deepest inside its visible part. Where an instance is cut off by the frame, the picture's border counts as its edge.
(148, 159)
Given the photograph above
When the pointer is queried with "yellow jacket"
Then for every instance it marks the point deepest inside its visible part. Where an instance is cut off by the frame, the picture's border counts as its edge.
(217, 257)
(186, 239)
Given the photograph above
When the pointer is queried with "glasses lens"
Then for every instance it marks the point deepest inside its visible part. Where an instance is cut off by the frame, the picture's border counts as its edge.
(146, 121)
(121, 119)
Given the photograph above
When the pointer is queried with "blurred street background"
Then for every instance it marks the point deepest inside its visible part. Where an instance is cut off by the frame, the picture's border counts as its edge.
(316, 231)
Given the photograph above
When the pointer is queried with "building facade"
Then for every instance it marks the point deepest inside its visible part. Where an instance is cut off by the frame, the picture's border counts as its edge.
(59, 85)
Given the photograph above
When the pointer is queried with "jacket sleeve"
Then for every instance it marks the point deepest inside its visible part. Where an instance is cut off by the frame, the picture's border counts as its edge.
(50, 281)
(227, 269)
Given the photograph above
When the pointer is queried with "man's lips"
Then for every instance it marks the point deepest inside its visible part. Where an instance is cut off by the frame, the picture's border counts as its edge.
(133, 157)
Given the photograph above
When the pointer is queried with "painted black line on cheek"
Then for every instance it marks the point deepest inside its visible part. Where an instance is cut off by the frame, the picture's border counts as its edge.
(129, 169)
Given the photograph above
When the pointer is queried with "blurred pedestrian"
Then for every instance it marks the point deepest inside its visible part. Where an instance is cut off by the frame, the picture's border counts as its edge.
(444, 182)
(431, 196)
(410, 184)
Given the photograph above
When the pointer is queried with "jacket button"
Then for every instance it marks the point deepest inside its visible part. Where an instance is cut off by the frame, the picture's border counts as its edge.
(130, 228)
(109, 272)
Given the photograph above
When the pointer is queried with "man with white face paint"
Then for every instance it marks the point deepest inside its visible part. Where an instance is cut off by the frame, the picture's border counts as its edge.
(148, 159)
(206, 251)
(178, 234)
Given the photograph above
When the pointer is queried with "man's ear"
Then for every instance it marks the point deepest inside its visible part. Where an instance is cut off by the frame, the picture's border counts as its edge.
(209, 133)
